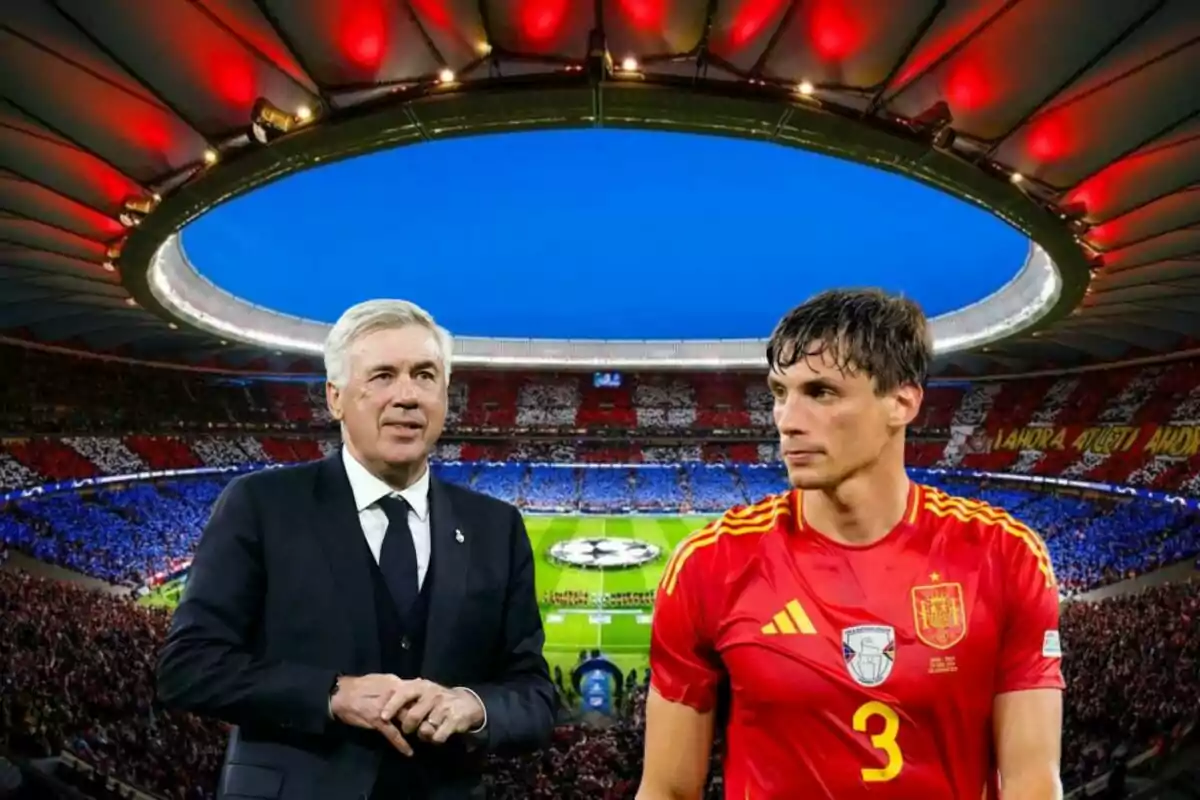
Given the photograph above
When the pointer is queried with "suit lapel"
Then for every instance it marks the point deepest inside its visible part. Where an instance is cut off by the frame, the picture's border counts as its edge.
(341, 537)
(451, 547)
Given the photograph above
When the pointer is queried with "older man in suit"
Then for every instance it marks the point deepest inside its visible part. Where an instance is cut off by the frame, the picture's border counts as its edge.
(369, 630)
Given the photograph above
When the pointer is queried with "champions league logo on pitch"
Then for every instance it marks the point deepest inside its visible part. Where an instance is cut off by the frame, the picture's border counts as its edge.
(604, 553)
(870, 651)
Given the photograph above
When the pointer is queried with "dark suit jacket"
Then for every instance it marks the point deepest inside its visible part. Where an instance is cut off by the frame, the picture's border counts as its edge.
(279, 602)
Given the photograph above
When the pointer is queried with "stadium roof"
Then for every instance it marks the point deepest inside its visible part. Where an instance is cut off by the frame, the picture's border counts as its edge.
(1076, 120)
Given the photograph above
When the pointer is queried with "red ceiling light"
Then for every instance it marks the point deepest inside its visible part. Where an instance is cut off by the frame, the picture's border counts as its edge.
(967, 17)
(750, 19)
(969, 87)
(151, 132)
(362, 33)
(541, 21)
(647, 16)
(1049, 138)
(233, 77)
(836, 34)
(435, 13)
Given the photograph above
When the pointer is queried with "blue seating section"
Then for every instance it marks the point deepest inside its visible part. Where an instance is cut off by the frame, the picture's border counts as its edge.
(127, 535)
(117, 535)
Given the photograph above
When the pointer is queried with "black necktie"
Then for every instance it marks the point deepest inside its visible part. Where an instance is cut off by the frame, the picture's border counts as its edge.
(398, 554)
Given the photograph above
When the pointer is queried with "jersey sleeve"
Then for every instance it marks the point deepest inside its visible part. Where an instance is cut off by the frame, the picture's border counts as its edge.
(1030, 650)
(683, 663)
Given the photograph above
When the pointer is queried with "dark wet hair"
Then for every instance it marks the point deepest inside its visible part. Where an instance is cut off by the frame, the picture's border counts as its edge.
(861, 330)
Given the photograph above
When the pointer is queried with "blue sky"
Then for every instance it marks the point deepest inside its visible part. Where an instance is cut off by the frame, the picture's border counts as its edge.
(598, 234)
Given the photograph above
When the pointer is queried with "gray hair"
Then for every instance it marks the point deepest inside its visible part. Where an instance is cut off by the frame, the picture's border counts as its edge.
(377, 315)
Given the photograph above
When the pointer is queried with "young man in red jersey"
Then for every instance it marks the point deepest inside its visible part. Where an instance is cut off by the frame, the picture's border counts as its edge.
(877, 638)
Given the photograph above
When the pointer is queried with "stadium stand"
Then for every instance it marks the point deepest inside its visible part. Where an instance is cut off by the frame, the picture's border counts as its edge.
(1132, 684)
(689, 444)
(1138, 425)
(129, 534)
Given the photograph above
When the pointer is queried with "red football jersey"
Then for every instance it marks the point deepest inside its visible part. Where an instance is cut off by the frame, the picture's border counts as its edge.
(857, 671)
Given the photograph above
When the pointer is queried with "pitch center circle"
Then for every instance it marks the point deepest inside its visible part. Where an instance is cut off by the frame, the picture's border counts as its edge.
(604, 552)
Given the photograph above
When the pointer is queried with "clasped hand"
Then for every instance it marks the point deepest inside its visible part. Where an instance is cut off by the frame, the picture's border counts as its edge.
(396, 707)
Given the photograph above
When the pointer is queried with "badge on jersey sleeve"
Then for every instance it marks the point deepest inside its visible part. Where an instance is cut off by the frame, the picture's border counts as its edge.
(870, 651)
(939, 614)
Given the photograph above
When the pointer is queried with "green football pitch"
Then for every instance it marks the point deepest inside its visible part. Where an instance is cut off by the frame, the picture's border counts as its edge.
(620, 630)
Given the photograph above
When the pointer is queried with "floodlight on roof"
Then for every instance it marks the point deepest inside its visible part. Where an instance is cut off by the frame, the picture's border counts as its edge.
(136, 209)
(268, 121)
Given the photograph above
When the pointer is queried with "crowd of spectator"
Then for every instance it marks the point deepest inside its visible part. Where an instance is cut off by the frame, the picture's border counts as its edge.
(76, 675)
(1133, 674)
(709, 417)
(1097, 541)
(75, 670)
(128, 535)
(119, 535)
(89, 395)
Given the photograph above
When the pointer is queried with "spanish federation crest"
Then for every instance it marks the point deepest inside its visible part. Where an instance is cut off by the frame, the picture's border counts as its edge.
(870, 651)
(939, 614)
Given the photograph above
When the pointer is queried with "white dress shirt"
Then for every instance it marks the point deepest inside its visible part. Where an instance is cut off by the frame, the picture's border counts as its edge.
(369, 490)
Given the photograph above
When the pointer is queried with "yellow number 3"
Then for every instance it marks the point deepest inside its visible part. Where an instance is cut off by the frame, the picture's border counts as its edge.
(885, 740)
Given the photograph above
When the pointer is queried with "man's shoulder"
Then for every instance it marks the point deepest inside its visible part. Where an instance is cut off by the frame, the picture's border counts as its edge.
(727, 540)
(991, 530)
(990, 523)
(277, 477)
